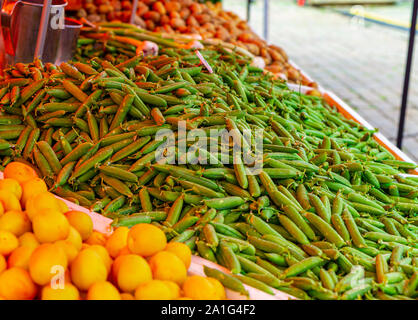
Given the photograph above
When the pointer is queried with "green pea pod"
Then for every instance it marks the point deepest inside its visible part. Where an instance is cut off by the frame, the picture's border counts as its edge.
(175, 210)
(229, 258)
(224, 203)
(325, 229)
(205, 252)
(100, 156)
(50, 156)
(227, 281)
(64, 174)
(353, 229)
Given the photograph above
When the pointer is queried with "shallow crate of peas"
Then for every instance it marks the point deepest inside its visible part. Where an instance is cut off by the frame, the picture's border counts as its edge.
(330, 216)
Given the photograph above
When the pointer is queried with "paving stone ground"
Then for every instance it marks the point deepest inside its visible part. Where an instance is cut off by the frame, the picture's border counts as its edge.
(362, 62)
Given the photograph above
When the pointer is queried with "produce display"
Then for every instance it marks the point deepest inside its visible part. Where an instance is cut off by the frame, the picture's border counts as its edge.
(51, 253)
(208, 20)
(330, 216)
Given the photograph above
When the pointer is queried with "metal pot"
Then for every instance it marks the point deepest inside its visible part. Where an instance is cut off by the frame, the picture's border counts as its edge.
(20, 23)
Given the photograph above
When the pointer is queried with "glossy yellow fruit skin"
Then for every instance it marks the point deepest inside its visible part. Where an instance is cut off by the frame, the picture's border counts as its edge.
(153, 290)
(46, 262)
(174, 289)
(50, 226)
(87, 268)
(9, 201)
(101, 251)
(219, 288)
(75, 238)
(16, 284)
(127, 296)
(20, 257)
(28, 239)
(167, 266)
(31, 188)
(69, 292)
(8, 242)
(131, 271)
(117, 241)
(96, 238)
(103, 290)
(182, 251)
(19, 171)
(200, 288)
(146, 239)
(17, 222)
(69, 249)
(13, 186)
(41, 202)
(81, 222)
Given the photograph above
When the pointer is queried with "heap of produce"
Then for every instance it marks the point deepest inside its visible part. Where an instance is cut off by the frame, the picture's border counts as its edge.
(208, 20)
(331, 215)
(51, 253)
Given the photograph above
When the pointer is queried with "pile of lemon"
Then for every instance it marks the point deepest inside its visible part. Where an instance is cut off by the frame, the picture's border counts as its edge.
(49, 252)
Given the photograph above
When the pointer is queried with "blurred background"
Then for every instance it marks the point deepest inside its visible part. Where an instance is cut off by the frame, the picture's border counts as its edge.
(355, 48)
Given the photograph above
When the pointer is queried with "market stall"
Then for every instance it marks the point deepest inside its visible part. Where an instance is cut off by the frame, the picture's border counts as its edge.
(302, 200)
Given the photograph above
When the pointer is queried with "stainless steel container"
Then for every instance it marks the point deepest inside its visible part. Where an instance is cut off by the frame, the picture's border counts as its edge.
(20, 25)
(68, 40)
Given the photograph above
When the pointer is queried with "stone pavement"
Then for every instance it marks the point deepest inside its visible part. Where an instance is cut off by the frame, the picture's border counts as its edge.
(362, 62)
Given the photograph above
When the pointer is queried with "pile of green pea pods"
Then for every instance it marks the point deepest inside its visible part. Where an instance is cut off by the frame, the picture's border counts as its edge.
(331, 215)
